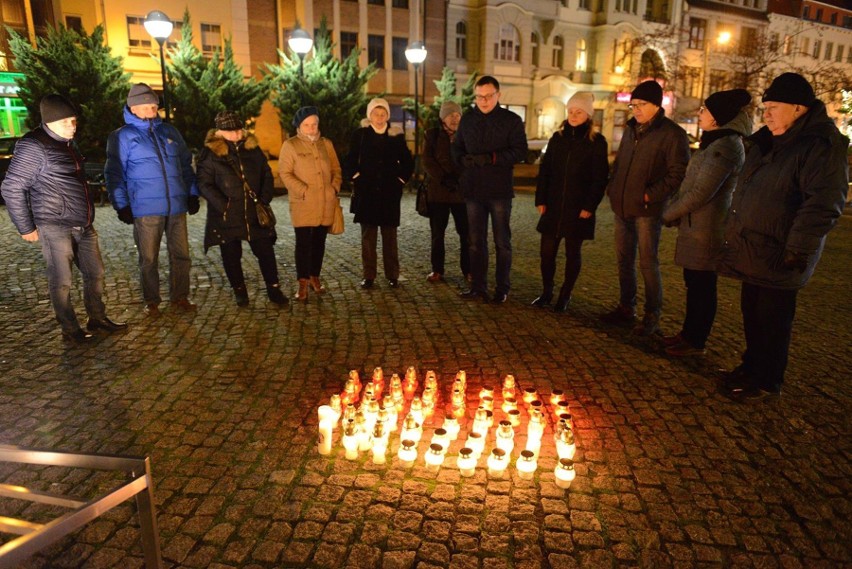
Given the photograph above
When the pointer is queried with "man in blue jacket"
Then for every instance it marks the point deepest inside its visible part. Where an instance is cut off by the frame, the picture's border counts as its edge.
(48, 200)
(489, 142)
(152, 186)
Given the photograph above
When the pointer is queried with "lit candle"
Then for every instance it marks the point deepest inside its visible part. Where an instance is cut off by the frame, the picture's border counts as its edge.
(395, 382)
(431, 381)
(505, 437)
(514, 417)
(560, 408)
(350, 440)
(486, 392)
(356, 378)
(410, 385)
(416, 410)
(407, 452)
(480, 422)
(441, 437)
(435, 457)
(535, 405)
(380, 444)
(451, 425)
(476, 443)
(486, 403)
(526, 465)
(365, 439)
(565, 447)
(327, 419)
(411, 429)
(556, 396)
(564, 473)
(462, 377)
(389, 408)
(567, 420)
(349, 413)
(530, 394)
(350, 393)
(336, 404)
(509, 386)
(466, 462)
(497, 463)
(458, 398)
(509, 403)
(533, 445)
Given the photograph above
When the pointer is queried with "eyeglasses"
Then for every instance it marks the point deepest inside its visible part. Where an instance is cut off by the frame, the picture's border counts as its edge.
(639, 106)
(486, 97)
(701, 109)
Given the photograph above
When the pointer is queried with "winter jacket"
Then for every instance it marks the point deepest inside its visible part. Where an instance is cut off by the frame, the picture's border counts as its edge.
(443, 173)
(231, 214)
(379, 166)
(572, 177)
(701, 204)
(149, 168)
(650, 162)
(499, 136)
(46, 184)
(311, 173)
(788, 197)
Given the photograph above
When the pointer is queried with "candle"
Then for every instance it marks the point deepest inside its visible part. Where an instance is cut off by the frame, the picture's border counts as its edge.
(411, 429)
(486, 392)
(451, 425)
(567, 420)
(565, 447)
(505, 439)
(486, 403)
(327, 419)
(497, 463)
(435, 457)
(380, 444)
(407, 452)
(480, 422)
(466, 462)
(441, 437)
(509, 386)
(556, 396)
(416, 410)
(514, 417)
(526, 465)
(564, 473)
(350, 440)
(365, 439)
(561, 407)
(461, 376)
(533, 445)
(476, 443)
(530, 394)
(509, 403)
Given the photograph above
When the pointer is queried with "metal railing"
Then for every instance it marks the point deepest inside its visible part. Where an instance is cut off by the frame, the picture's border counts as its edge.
(35, 536)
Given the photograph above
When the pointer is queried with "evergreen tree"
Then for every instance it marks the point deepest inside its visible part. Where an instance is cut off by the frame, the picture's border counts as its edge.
(198, 88)
(336, 88)
(80, 67)
(447, 91)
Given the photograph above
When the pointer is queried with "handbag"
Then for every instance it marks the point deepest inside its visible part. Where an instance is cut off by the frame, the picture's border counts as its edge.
(422, 203)
(265, 215)
(337, 225)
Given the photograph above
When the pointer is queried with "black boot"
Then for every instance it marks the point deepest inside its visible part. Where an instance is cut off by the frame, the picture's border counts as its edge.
(275, 295)
(545, 297)
(241, 295)
(563, 300)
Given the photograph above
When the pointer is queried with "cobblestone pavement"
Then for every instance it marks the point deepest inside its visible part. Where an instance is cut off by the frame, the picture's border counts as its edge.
(669, 474)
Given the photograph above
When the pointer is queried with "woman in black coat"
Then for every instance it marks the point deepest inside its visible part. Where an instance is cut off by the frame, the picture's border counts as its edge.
(379, 164)
(228, 162)
(571, 183)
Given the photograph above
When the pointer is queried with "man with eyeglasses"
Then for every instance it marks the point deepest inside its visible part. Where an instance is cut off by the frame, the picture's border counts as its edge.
(648, 168)
(788, 197)
(489, 141)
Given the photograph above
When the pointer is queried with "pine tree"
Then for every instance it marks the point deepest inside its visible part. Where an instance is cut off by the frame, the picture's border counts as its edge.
(80, 67)
(336, 88)
(198, 88)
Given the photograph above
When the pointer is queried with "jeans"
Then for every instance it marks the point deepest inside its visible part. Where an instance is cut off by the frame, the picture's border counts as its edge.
(768, 322)
(700, 306)
(148, 232)
(62, 246)
(232, 255)
(573, 261)
(390, 251)
(644, 233)
(477, 216)
(439, 218)
(310, 250)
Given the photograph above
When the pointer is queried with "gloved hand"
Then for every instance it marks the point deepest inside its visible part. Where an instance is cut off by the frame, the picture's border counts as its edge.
(193, 205)
(797, 261)
(125, 214)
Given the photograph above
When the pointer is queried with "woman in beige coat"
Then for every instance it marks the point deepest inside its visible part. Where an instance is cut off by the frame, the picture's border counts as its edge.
(310, 170)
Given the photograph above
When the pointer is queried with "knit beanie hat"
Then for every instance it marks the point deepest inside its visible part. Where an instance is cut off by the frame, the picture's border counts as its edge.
(724, 105)
(448, 108)
(142, 94)
(228, 120)
(583, 100)
(302, 114)
(55, 108)
(648, 91)
(790, 88)
(377, 102)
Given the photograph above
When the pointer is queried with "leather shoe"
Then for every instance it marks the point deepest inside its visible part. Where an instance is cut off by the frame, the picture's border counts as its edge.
(473, 294)
(500, 298)
(152, 309)
(542, 301)
(562, 303)
(393, 283)
(106, 325)
(78, 336)
(434, 277)
(184, 304)
(684, 349)
(367, 283)
(669, 341)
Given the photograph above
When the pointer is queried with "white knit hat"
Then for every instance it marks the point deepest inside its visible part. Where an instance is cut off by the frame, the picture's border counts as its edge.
(583, 100)
(377, 102)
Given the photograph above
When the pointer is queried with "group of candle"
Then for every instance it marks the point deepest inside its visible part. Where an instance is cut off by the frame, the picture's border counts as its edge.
(368, 414)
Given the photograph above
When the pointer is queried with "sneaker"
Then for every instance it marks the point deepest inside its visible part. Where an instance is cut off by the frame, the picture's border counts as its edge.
(649, 326)
(619, 315)
(684, 349)
(434, 277)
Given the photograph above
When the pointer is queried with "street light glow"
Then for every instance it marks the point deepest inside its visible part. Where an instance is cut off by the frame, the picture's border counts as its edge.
(416, 53)
(158, 25)
(300, 42)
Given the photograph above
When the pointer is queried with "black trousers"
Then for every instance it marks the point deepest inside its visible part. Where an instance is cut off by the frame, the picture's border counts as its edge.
(232, 255)
(310, 250)
(390, 251)
(700, 306)
(768, 322)
(439, 218)
(573, 261)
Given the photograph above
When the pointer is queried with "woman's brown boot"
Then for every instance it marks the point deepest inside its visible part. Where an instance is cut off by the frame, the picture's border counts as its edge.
(317, 285)
(302, 295)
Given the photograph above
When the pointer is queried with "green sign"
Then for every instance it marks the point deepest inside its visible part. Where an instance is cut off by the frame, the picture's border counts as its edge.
(9, 84)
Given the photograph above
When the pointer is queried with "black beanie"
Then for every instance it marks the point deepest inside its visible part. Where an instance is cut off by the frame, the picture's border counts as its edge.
(55, 108)
(790, 88)
(302, 114)
(648, 91)
(724, 105)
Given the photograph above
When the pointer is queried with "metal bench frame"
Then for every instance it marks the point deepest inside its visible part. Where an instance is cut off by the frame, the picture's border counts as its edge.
(35, 537)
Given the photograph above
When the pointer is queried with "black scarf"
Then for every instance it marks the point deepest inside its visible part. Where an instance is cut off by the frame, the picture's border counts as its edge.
(708, 137)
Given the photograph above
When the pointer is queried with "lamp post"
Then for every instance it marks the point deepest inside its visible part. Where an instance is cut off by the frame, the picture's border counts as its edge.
(416, 54)
(160, 27)
(722, 39)
(301, 42)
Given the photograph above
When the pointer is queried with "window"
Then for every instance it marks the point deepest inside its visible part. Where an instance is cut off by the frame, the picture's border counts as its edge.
(740, 80)
(584, 5)
(833, 19)
(137, 36)
(558, 57)
(13, 13)
(692, 81)
(398, 46)
(849, 54)
(718, 80)
(534, 42)
(508, 46)
(581, 55)
(839, 56)
(789, 44)
(461, 40)
(348, 43)
(817, 49)
(400, 4)
(806, 12)
(774, 41)
(376, 50)
(74, 23)
(697, 31)
(211, 37)
(818, 16)
(829, 51)
(748, 40)
(806, 45)
(376, 2)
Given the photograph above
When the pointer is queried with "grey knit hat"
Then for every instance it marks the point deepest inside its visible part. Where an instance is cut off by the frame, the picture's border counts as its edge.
(142, 94)
(448, 108)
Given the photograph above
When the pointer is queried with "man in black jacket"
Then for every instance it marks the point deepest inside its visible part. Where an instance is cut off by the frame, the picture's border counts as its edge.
(788, 197)
(489, 142)
(48, 199)
(649, 167)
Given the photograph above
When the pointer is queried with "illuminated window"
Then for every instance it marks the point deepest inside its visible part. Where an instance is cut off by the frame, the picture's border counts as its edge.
(581, 55)
(461, 40)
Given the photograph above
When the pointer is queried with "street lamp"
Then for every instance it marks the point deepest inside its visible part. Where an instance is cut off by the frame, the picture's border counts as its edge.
(300, 42)
(416, 54)
(160, 27)
(723, 38)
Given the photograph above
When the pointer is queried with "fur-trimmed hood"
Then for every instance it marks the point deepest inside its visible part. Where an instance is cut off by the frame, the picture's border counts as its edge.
(392, 130)
(219, 146)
